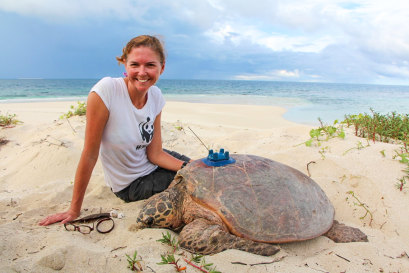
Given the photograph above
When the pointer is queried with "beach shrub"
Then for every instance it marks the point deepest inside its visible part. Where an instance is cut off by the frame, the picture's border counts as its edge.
(197, 261)
(358, 202)
(360, 146)
(170, 259)
(324, 133)
(80, 110)
(392, 127)
(388, 128)
(134, 262)
(404, 158)
(167, 239)
(8, 120)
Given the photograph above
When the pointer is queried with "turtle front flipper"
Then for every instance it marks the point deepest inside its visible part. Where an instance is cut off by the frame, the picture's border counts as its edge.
(202, 237)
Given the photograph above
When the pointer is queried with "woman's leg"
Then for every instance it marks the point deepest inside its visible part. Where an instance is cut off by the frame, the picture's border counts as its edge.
(148, 185)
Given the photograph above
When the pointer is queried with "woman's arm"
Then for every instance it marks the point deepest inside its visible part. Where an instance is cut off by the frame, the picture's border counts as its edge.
(97, 116)
(155, 153)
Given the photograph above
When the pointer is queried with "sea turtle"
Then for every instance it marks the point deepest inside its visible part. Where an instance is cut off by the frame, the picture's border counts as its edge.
(246, 205)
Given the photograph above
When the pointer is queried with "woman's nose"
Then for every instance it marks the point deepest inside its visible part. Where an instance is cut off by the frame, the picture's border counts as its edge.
(142, 69)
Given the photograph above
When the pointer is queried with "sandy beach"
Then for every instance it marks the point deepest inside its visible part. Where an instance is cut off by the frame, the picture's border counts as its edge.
(37, 168)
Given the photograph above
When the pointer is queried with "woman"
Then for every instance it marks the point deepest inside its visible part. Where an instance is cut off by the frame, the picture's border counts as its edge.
(124, 127)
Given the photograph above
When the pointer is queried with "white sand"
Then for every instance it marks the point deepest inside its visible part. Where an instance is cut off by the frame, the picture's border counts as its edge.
(37, 168)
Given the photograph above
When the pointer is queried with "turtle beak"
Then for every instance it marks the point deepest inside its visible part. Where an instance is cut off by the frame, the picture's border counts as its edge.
(138, 225)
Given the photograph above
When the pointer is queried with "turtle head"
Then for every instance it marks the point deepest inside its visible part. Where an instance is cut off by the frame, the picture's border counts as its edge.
(161, 210)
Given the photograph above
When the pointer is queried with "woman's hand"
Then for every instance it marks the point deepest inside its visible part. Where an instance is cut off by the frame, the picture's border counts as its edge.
(63, 217)
(97, 116)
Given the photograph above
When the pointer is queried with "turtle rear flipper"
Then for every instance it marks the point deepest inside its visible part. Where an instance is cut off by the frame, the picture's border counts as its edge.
(341, 233)
(204, 238)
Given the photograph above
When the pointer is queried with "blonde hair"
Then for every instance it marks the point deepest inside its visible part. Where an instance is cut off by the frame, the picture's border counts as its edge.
(152, 42)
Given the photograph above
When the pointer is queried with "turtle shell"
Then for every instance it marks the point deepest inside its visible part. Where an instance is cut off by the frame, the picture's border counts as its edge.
(261, 199)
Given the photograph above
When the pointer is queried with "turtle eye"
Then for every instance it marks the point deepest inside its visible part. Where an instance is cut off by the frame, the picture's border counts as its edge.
(149, 221)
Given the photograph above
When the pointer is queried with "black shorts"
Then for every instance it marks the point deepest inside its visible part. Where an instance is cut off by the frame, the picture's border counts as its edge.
(148, 185)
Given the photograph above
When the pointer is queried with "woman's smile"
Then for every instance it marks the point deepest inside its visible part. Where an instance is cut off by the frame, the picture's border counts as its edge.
(143, 68)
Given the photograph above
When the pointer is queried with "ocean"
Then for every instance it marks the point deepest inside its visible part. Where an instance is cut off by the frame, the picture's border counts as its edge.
(305, 102)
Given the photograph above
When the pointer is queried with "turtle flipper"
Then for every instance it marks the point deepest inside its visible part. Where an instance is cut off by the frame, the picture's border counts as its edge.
(341, 233)
(204, 238)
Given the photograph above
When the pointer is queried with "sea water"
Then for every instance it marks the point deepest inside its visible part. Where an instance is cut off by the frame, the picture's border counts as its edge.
(305, 102)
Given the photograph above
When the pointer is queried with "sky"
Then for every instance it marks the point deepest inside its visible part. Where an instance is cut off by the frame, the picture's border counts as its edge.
(365, 41)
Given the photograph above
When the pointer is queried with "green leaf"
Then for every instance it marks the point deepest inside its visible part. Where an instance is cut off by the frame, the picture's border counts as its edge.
(315, 133)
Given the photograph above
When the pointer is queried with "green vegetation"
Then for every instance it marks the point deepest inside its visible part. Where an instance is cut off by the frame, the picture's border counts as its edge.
(80, 110)
(197, 261)
(384, 128)
(323, 151)
(168, 240)
(8, 120)
(359, 146)
(170, 259)
(404, 158)
(178, 126)
(389, 128)
(324, 133)
(363, 205)
(134, 263)
(392, 127)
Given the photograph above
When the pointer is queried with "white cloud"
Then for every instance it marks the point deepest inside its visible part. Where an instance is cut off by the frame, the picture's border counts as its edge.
(220, 33)
(294, 25)
(373, 25)
(64, 9)
(373, 34)
(394, 71)
(239, 34)
(281, 74)
(297, 44)
(216, 4)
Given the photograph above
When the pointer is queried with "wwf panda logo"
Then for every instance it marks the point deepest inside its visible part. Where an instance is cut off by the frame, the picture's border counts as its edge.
(146, 129)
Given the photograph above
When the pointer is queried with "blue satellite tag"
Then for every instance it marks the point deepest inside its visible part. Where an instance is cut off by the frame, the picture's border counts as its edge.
(218, 159)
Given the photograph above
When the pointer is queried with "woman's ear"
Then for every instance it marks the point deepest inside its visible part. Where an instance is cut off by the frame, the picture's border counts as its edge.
(163, 68)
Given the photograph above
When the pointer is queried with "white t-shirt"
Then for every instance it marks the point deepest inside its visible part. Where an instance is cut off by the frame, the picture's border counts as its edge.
(127, 133)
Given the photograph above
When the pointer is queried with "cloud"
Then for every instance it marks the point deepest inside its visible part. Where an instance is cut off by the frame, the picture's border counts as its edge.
(75, 9)
(336, 39)
(271, 76)
(238, 34)
(297, 43)
(352, 41)
(294, 25)
(393, 71)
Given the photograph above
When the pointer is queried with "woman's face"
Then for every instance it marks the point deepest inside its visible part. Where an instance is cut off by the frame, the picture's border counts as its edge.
(143, 67)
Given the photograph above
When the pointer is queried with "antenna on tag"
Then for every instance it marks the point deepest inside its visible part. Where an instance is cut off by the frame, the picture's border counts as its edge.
(198, 138)
(215, 159)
